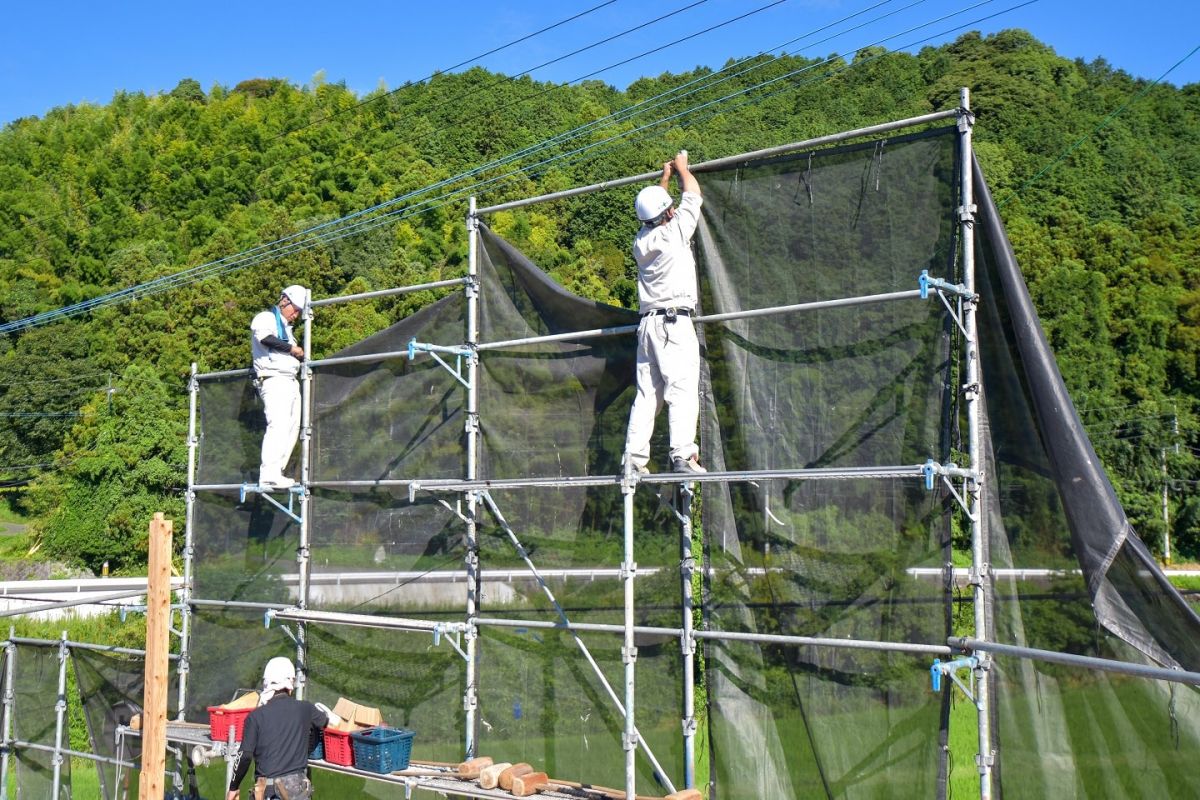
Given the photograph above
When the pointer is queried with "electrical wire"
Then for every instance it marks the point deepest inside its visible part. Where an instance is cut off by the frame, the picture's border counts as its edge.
(1104, 123)
(451, 102)
(287, 245)
(357, 106)
(364, 226)
(206, 270)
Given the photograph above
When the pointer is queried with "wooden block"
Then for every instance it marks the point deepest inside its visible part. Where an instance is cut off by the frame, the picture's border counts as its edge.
(248, 700)
(530, 783)
(489, 777)
(685, 794)
(470, 770)
(516, 770)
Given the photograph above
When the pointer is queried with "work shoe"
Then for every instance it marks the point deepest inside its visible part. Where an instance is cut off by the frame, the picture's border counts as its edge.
(276, 482)
(641, 470)
(690, 465)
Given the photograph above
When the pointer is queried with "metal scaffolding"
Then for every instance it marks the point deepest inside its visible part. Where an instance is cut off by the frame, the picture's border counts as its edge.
(475, 493)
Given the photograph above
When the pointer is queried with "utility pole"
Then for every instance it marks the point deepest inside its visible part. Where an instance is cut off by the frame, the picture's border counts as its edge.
(1166, 508)
(1166, 511)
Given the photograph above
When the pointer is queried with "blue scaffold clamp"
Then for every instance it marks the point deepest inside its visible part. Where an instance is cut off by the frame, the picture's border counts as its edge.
(459, 352)
(923, 282)
(950, 668)
(930, 470)
(292, 493)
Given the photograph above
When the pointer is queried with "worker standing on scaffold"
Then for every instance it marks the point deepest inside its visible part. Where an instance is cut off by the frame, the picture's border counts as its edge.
(668, 353)
(278, 737)
(277, 358)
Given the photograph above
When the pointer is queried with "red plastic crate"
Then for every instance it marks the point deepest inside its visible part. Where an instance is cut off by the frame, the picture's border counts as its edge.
(219, 720)
(338, 748)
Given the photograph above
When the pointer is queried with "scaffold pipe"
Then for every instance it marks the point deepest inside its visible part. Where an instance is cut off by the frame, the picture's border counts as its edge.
(721, 163)
(968, 644)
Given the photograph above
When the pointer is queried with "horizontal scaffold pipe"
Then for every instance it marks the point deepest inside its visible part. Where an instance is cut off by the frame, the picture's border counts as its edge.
(83, 600)
(738, 636)
(816, 305)
(239, 603)
(729, 161)
(967, 645)
(456, 485)
(294, 614)
(589, 574)
(359, 359)
(21, 590)
(229, 373)
(49, 748)
(104, 648)
(419, 287)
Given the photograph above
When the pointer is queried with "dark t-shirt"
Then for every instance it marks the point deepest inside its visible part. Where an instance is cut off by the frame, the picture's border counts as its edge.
(278, 737)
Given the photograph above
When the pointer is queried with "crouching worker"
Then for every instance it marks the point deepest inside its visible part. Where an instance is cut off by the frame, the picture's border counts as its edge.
(277, 737)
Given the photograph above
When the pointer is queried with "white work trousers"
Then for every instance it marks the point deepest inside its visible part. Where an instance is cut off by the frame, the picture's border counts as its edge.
(668, 369)
(281, 402)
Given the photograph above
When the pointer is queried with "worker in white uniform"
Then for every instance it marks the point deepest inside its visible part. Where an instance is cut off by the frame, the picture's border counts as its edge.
(277, 358)
(668, 353)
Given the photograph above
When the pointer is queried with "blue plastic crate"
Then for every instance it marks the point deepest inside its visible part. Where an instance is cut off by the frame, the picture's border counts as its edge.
(382, 749)
(318, 749)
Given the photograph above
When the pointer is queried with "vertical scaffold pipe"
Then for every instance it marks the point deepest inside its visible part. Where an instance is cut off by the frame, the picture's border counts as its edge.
(10, 660)
(60, 714)
(972, 389)
(687, 570)
(471, 559)
(185, 613)
(629, 652)
(303, 560)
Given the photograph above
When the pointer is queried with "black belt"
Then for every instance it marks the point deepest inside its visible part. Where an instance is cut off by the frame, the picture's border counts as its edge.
(669, 313)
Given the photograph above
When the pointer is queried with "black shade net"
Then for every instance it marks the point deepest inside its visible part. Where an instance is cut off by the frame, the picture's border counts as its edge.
(863, 558)
(35, 721)
(840, 388)
(110, 690)
(1061, 731)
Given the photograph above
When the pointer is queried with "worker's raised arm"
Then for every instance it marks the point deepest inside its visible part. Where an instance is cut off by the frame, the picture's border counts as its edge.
(687, 181)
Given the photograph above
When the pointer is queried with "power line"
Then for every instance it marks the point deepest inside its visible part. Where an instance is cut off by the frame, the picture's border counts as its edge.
(40, 414)
(294, 242)
(1103, 124)
(365, 102)
(454, 101)
(366, 225)
(72, 379)
(223, 265)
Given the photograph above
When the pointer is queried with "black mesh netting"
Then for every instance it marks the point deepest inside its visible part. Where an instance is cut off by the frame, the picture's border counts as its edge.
(34, 720)
(110, 690)
(1069, 732)
(842, 388)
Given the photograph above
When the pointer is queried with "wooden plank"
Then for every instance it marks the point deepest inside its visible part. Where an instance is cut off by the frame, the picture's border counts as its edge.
(158, 646)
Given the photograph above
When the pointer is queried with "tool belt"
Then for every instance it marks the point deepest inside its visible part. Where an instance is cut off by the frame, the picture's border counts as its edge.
(293, 786)
(669, 313)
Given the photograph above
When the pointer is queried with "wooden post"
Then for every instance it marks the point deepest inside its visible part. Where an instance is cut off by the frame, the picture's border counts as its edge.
(154, 699)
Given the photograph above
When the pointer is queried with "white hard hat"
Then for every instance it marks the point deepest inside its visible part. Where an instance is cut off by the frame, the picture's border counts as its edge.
(279, 673)
(652, 202)
(298, 295)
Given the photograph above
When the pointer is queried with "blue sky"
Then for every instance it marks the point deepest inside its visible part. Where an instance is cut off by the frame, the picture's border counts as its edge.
(71, 52)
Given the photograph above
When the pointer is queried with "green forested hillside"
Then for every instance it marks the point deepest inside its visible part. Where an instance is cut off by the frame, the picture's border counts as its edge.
(1097, 174)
